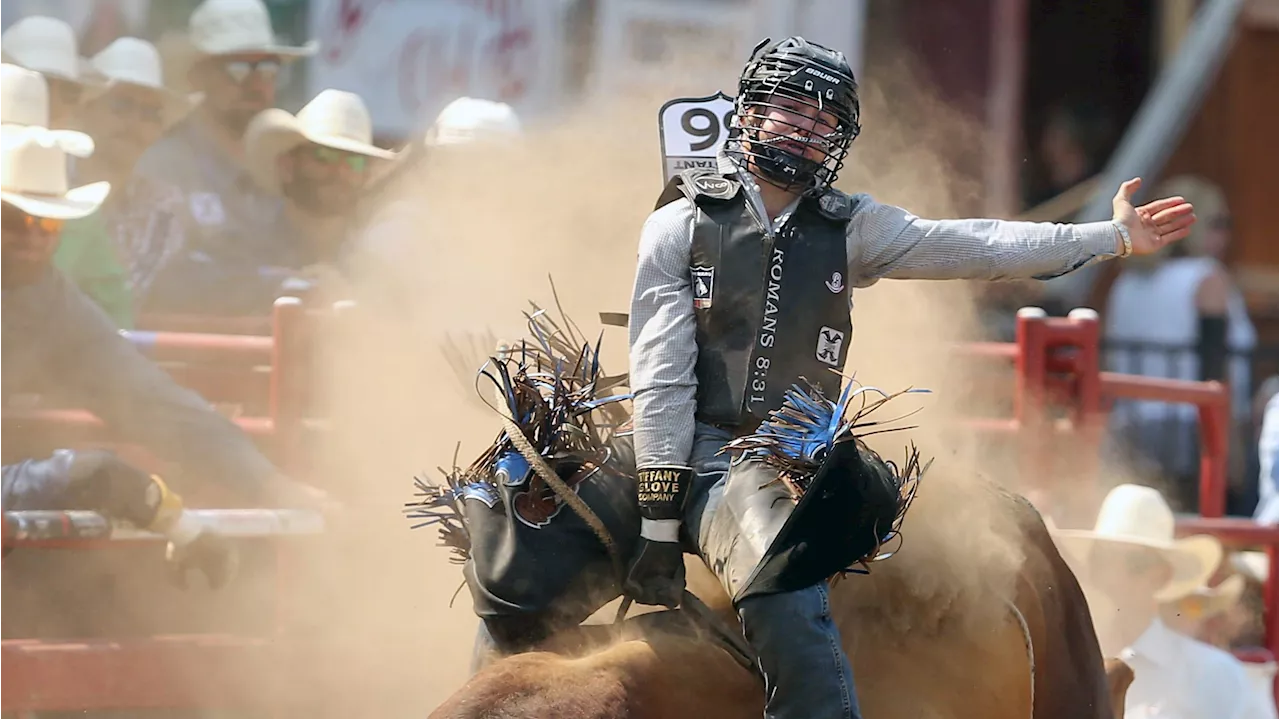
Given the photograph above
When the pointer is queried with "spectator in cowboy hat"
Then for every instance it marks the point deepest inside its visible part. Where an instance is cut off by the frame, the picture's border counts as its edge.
(25, 106)
(59, 346)
(1197, 613)
(1133, 563)
(48, 46)
(115, 258)
(235, 60)
(318, 162)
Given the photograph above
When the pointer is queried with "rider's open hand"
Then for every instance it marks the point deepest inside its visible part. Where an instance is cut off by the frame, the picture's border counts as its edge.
(1156, 224)
(210, 555)
(656, 575)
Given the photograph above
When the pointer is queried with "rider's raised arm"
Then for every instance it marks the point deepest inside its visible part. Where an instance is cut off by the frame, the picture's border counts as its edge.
(887, 241)
(100, 370)
(664, 348)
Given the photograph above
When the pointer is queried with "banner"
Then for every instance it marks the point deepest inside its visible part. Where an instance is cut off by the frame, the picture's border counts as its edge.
(407, 60)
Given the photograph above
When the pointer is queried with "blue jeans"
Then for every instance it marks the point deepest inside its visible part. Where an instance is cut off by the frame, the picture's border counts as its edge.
(807, 675)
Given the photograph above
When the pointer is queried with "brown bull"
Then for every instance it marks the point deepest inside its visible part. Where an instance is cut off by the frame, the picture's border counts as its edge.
(920, 647)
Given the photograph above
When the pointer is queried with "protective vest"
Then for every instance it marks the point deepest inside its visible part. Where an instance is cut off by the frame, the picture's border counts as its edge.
(772, 311)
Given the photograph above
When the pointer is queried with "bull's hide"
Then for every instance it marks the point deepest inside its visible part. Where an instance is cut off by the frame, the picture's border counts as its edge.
(931, 633)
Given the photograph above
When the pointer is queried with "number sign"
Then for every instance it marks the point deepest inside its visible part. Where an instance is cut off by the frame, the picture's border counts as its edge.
(692, 130)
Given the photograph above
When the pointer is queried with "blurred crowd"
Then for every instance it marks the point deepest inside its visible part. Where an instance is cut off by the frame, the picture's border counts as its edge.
(215, 189)
(1176, 315)
(124, 198)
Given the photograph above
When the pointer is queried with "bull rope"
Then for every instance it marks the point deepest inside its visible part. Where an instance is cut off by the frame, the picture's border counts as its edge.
(1031, 651)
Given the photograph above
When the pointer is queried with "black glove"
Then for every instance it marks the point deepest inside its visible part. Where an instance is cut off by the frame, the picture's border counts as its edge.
(102, 482)
(209, 554)
(656, 575)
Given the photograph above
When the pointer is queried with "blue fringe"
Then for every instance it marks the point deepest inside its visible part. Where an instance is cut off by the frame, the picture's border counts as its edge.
(796, 438)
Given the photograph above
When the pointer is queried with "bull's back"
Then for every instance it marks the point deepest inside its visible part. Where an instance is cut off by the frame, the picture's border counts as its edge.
(652, 679)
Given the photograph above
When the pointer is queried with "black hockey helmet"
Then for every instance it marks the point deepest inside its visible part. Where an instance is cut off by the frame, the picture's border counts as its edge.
(791, 75)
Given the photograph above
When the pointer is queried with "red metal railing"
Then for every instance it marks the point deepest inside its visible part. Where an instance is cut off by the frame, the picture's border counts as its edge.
(206, 670)
(173, 671)
(234, 361)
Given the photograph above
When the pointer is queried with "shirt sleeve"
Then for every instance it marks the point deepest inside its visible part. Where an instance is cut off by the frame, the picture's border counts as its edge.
(663, 336)
(887, 241)
(100, 370)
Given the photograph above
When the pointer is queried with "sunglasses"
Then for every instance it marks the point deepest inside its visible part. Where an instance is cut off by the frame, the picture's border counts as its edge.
(132, 107)
(240, 70)
(330, 156)
(13, 219)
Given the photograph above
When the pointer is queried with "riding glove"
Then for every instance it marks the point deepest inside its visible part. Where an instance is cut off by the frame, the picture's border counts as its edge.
(656, 574)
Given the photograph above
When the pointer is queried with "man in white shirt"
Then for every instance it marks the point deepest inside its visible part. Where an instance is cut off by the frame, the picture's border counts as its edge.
(1132, 563)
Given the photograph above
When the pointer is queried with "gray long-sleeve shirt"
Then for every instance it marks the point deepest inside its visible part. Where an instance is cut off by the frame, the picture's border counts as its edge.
(58, 344)
(883, 242)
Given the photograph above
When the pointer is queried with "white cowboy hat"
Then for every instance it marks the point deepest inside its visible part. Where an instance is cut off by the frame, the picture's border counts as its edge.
(46, 45)
(1133, 515)
(1252, 564)
(230, 27)
(333, 118)
(33, 178)
(134, 62)
(24, 101)
(469, 119)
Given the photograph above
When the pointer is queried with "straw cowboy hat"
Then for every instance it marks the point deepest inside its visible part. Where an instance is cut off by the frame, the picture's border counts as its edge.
(24, 102)
(46, 45)
(230, 27)
(129, 61)
(1206, 602)
(333, 118)
(469, 119)
(1135, 516)
(33, 177)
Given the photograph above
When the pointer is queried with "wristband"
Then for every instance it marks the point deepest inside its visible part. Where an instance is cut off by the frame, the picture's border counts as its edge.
(660, 530)
(1124, 239)
(662, 491)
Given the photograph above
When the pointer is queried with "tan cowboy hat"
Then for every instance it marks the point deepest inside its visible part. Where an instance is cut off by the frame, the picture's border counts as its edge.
(134, 62)
(1205, 602)
(230, 27)
(333, 118)
(469, 119)
(33, 177)
(24, 102)
(46, 45)
(1132, 515)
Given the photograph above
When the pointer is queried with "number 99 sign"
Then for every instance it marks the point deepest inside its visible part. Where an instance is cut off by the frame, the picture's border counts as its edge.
(692, 130)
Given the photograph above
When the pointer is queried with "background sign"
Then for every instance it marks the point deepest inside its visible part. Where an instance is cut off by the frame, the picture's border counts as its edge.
(409, 59)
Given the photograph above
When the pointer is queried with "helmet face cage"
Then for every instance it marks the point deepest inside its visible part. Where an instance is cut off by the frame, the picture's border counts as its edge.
(813, 98)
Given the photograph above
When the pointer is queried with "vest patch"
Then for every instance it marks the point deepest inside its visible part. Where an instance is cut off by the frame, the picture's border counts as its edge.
(830, 340)
(714, 186)
(836, 283)
(704, 285)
